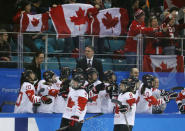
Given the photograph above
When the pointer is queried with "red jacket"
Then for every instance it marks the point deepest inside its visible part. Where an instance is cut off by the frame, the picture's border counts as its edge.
(153, 45)
(135, 29)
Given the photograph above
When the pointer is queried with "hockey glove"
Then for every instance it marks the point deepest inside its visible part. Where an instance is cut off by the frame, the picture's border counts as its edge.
(181, 108)
(123, 109)
(46, 100)
(99, 88)
(74, 121)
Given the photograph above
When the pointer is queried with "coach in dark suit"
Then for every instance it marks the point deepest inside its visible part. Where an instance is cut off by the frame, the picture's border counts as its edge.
(90, 61)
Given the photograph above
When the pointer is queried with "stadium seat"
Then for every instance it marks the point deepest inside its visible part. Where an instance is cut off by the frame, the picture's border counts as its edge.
(52, 63)
(113, 45)
(28, 59)
(70, 62)
(107, 64)
(119, 65)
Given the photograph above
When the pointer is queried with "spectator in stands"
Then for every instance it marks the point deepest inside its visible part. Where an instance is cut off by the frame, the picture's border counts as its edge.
(90, 61)
(5, 49)
(107, 4)
(28, 40)
(137, 28)
(35, 65)
(35, 7)
(144, 7)
(153, 44)
(171, 45)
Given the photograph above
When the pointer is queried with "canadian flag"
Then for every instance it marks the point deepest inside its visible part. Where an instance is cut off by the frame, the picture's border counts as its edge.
(111, 21)
(70, 19)
(161, 63)
(174, 3)
(38, 22)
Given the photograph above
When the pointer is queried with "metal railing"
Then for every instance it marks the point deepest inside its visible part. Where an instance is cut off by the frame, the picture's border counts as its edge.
(21, 53)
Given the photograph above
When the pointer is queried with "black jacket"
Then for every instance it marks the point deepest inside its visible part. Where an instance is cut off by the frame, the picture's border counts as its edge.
(82, 63)
(35, 69)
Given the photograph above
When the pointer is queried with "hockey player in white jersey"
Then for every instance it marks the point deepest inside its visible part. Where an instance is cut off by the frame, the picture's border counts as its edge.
(96, 91)
(62, 85)
(160, 96)
(48, 89)
(27, 97)
(76, 105)
(124, 116)
(112, 91)
(147, 100)
(180, 100)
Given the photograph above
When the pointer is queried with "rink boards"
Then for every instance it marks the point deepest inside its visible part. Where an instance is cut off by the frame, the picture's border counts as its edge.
(51, 122)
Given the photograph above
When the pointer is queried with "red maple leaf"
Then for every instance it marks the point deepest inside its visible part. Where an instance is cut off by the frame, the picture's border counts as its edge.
(163, 68)
(109, 22)
(35, 22)
(178, 3)
(70, 103)
(80, 18)
(82, 102)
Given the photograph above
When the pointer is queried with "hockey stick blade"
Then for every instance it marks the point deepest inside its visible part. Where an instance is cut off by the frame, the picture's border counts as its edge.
(65, 127)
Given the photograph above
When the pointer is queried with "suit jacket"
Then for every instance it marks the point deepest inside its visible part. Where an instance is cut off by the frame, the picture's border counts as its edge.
(82, 63)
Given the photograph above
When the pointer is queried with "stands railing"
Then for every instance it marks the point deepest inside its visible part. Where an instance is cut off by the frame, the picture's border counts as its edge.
(56, 53)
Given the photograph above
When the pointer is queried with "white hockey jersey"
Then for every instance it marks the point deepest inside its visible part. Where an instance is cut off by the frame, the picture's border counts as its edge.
(145, 102)
(127, 98)
(51, 92)
(181, 97)
(60, 102)
(95, 105)
(26, 98)
(106, 105)
(76, 104)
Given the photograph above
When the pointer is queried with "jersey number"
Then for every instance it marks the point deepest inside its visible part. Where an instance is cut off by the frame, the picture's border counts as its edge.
(19, 99)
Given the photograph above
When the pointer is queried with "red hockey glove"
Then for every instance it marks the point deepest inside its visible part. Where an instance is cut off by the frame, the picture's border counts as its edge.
(74, 121)
(46, 100)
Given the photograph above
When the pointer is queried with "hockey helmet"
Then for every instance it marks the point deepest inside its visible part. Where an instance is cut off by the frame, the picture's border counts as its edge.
(65, 72)
(148, 80)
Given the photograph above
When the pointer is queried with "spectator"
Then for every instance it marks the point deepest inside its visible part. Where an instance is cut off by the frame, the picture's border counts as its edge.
(28, 40)
(170, 46)
(107, 4)
(90, 61)
(136, 28)
(5, 50)
(35, 7)
(153, 44)
(35, 65)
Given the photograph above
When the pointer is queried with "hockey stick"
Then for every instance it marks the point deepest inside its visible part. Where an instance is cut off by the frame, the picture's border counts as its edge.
(65, 127)
(177, 88)
(120, 104)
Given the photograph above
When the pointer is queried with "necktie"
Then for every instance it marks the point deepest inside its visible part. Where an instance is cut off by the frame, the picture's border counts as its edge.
(89, 63)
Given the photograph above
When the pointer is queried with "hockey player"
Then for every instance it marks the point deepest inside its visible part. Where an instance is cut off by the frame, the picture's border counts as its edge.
(180, 100)
(125, 112)
(162, 99)
(111, 85)
(146, 98)
(48, 89)
(27, 97)
(76, 105)
(95, 91)
(62, 85)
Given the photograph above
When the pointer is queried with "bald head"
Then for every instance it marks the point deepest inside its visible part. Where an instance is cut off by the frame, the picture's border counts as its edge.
(134, 73)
